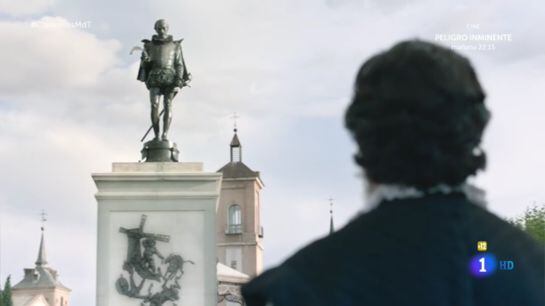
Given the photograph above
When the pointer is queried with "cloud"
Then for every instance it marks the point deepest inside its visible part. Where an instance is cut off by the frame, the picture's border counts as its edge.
(512, 141)
(50, 55)
(27, 7)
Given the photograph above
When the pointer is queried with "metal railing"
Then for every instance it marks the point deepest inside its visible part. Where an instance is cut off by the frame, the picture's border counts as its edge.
(234, 229)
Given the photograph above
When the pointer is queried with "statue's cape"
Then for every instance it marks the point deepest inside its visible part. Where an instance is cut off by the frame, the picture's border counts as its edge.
(186, 75)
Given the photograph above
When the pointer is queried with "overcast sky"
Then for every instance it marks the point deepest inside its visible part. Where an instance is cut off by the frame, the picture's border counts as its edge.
(70, 105)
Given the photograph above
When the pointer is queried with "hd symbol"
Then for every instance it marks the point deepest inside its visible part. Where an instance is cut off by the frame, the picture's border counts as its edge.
(482, 246)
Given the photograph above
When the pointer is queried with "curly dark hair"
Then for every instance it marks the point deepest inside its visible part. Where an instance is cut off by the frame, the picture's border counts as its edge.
(418, 116)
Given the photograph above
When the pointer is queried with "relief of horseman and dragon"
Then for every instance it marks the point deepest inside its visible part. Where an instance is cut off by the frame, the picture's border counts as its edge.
(148, 275)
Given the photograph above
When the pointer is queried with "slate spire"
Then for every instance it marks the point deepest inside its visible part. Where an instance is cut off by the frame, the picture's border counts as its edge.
(42, 258)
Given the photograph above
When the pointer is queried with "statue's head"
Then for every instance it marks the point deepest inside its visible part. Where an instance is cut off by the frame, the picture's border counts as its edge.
(149, 243)
(175, 262)
(418, 115)
(161, 27)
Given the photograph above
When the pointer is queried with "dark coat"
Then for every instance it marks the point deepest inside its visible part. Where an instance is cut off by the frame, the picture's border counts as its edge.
(410, 252)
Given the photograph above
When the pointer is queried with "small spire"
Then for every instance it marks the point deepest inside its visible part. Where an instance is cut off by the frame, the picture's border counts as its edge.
(235, 142)
(331, 227)
(236, 150)
(42, 259)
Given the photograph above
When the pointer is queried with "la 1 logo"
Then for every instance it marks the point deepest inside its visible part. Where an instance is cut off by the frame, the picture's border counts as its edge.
(483, 265)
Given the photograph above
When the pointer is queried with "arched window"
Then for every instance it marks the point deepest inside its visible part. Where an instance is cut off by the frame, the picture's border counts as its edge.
(234, 225)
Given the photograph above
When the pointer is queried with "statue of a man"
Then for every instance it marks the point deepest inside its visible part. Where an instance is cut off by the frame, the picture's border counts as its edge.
(163, 70)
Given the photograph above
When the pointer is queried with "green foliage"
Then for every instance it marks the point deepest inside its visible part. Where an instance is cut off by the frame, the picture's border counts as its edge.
(532, 222)
(5, 296)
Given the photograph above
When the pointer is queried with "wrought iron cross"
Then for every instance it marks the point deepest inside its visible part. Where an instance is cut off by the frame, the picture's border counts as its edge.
(43, 218)
(235, 117)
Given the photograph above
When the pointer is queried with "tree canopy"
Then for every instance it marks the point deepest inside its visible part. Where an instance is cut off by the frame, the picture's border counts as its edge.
(533, 222)
(5, 295)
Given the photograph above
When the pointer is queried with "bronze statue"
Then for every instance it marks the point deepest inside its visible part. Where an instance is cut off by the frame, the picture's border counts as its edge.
(163, 70)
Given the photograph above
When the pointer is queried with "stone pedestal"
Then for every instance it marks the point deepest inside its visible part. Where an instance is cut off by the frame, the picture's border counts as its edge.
(156, 234)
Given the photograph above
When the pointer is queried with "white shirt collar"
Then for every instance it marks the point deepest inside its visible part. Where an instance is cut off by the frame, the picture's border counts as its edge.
(385, 192)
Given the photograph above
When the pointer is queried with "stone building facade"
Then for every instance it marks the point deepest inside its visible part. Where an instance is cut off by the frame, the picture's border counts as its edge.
(239, 229)
(40, 285)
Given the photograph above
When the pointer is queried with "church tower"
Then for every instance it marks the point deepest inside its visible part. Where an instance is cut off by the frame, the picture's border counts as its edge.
(40, 285)
(239, 230)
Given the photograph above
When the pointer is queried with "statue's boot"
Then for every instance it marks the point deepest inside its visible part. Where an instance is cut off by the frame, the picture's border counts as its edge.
(156, 131)
(167, 119)
(155, 118)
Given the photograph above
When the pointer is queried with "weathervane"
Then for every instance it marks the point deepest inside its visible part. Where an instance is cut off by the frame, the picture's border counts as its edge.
(43, 219)
(235, 116)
